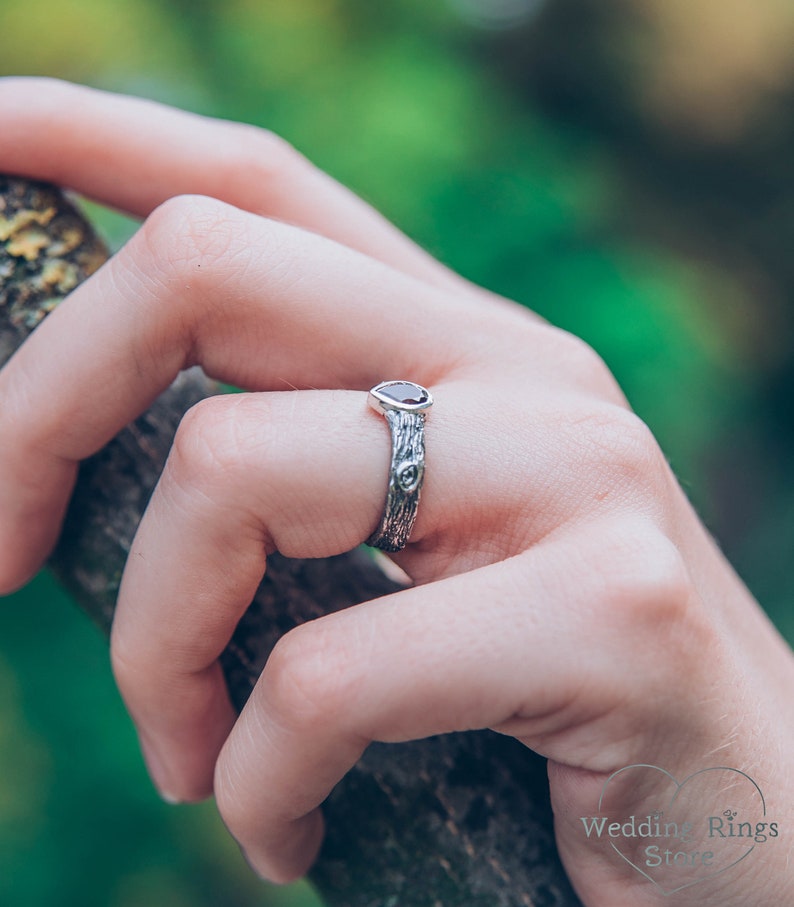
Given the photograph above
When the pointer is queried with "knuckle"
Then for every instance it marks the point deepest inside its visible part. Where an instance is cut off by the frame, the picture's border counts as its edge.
(623, 438)
(653, 629)
(621, 451)
(658, 580)
(194, 237)
(645, 585)
(583, 364)
(307, 678)
(209, 444)
(259, 153)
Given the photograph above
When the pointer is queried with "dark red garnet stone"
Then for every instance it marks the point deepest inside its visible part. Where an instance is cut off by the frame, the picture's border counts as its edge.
(410, 394)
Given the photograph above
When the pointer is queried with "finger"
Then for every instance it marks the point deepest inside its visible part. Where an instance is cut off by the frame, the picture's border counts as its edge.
(229, 493)
(484, 649)
(395, 669)
(133, 154)
(256, 303)
(303, 473)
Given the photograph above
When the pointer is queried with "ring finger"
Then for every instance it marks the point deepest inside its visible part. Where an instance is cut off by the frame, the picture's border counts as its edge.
(231, 493)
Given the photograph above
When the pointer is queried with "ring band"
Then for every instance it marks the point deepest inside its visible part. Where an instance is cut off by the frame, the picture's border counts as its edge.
(404, 406)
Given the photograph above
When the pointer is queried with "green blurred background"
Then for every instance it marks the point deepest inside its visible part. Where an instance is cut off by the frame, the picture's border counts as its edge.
(625, 167)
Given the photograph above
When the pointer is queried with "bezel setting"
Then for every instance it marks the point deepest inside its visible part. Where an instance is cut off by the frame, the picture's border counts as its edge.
(406, 397)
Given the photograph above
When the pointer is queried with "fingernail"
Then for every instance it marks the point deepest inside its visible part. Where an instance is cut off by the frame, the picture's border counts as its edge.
(158, 772)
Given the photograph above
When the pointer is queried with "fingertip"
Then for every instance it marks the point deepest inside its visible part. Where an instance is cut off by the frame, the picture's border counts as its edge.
(158, 772)
(33, 501)
(291, 857)
(17, 567)
(9, 583)
(180, 755)
(173, 790)
(11, 579)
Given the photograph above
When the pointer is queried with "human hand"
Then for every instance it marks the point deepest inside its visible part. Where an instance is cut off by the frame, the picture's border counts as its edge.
(554, 555)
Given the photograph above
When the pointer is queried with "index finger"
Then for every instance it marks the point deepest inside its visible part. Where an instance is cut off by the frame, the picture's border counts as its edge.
(133, 154)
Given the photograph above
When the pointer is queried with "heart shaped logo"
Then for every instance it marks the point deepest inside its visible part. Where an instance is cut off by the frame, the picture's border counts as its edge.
(677, 834)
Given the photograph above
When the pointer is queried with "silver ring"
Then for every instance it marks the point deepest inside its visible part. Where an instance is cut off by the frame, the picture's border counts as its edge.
(404, 405)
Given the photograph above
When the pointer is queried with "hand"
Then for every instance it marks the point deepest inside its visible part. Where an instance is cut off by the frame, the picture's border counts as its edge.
(564, 592)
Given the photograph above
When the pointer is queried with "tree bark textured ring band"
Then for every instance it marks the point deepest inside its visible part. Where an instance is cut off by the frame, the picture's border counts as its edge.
(404, 406)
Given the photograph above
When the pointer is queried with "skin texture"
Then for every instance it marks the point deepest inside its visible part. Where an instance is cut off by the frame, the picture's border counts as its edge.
(565, 592)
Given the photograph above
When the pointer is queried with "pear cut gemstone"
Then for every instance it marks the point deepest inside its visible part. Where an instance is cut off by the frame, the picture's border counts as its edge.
(403, 392)
(400, 395)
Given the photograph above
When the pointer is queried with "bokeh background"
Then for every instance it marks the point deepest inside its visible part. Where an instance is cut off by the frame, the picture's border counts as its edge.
(625, 167)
